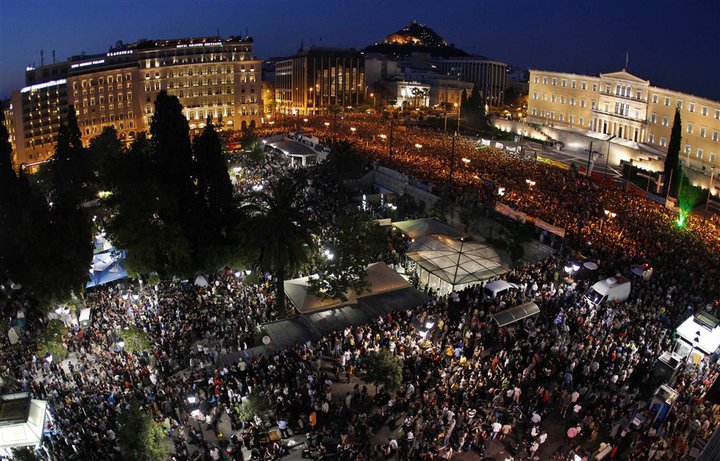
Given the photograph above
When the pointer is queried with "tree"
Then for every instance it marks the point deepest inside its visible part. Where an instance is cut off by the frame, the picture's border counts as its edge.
(354, 241)
(473, 109)
(71, 240)
(23, 454)
(383, 369)
(140, 437)
(154, 242)
(104, 152)
(9, 206)
(344, 161)
(672, 159)
(136, 340)
(217, 205)
(278, 230)
(51, 341)
(255, 403)
(174, 173)
(214, 187)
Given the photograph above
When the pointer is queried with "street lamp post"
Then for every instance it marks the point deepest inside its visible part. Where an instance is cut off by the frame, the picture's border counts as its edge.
(710, 184)
(610, 215)
(390, 140)
(452, 160)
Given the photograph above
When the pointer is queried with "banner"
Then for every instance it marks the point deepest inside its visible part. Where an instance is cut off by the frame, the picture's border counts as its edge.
(552, 162)
(559, 231)
(510, 212)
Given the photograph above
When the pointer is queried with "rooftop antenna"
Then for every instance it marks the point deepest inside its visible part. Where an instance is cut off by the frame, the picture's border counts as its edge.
(302, 43)
(53, 56)
(42, 57)
(627, 58)
(246, 32)
(218, 32)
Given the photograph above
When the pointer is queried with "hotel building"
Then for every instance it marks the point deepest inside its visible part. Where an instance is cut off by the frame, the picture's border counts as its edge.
(213, 78)
(628, 108)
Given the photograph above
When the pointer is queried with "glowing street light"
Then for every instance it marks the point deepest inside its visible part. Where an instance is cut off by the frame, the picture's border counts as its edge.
(501, 191)
(610, 214)
(327, 124)
(353, 129)
(419, 146)
(383, 137)
(465, 160)
(530, 182)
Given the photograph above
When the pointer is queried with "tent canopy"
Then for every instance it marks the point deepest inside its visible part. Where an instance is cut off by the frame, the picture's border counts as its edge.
(381, 278)
(201, 281)
(416, 228)
(515, 314)
(457, 262)
(22, 420)
(106, 267)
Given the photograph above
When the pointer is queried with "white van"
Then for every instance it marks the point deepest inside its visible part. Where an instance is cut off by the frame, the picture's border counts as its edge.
(612, 289)
(498, 288)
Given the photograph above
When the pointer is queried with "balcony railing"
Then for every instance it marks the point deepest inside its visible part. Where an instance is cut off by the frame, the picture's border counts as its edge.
(627, 98)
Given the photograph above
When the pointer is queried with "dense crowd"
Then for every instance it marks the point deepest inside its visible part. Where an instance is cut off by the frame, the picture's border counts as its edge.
(466, 385)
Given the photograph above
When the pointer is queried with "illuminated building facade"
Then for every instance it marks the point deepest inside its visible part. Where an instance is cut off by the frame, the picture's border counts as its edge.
(622, 105)
(317, 79)
(213, 78)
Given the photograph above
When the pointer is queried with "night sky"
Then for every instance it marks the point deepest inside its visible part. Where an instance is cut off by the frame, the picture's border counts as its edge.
(675, 44)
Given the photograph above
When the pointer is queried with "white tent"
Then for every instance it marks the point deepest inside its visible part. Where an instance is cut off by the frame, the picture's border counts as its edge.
(201, 281)
(446, 264)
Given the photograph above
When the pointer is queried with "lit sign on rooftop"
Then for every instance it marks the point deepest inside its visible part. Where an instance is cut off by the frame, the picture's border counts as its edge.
(40, 86)
(200, 44)
(88, 63)
(118, 53)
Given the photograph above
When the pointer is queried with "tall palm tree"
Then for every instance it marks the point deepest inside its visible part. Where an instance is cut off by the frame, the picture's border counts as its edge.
(344, 160)
(279, 228)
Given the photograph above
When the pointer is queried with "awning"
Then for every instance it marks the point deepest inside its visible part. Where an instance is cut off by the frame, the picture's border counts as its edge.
(515, 314)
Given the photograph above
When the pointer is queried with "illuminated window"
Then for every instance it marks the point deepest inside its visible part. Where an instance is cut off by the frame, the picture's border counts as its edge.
(699, 153)
(704, 111)
(651, 139)
(702, 132)
(665, 121)
(563, 83)
(654, 99)
(652, 118)
(663, 142)
(573, 83)
(667, 101)
(679, 104)
(690, 128)
(688, 148)
(554, 81)
(691, 107)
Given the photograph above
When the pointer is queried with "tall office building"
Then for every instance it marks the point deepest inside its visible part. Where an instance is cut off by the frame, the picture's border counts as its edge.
(317, 79)
(630, 109)
(488, 75)
(213, 77)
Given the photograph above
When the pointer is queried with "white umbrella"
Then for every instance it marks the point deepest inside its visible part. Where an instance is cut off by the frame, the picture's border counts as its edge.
(590, 266)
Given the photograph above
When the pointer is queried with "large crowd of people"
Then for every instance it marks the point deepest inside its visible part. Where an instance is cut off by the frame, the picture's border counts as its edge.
(575, 376)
